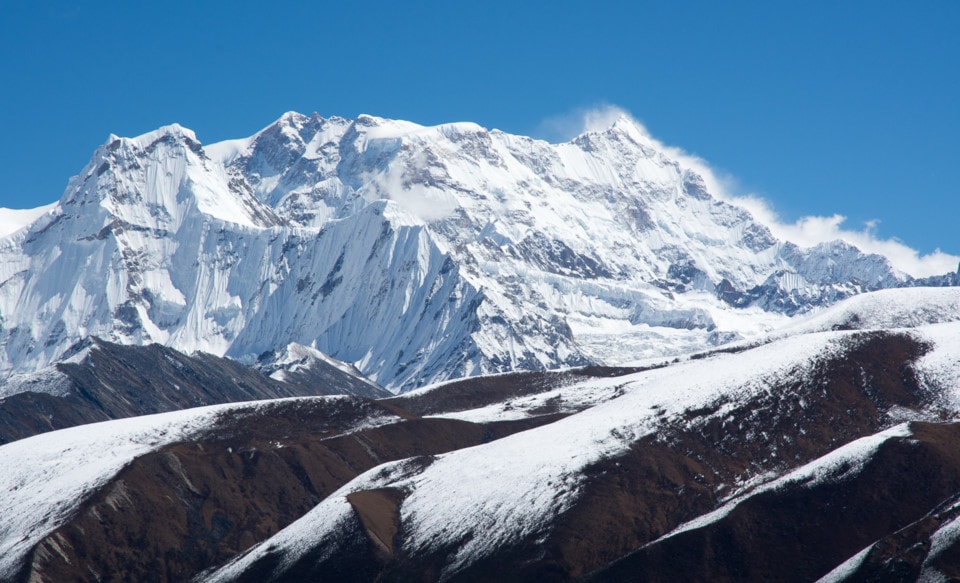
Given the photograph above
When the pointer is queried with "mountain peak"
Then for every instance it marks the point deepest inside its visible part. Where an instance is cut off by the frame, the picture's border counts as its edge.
(154, 181)
(626, 125)
(624, 120)
(617, 127)
(293, 117)
(144, 140)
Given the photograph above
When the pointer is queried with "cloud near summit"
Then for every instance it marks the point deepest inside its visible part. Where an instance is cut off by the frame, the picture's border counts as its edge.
(566, 126)
(807, 231)
(812, 230)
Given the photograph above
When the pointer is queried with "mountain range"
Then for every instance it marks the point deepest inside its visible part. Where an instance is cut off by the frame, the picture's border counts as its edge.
(473, 251)
(368, 350)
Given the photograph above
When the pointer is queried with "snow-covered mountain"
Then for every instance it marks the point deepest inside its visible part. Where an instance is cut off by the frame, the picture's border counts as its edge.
(418, 254)
(749, 430)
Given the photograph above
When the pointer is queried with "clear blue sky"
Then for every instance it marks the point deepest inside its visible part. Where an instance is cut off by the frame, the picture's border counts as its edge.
(820, 107)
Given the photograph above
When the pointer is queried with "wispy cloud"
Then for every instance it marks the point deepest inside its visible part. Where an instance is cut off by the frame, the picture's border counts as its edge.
(805, 232)
(812, 230)
(566, 126)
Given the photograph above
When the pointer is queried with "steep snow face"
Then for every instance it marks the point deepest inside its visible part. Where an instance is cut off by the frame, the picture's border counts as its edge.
(416, 253)
(604, 248)
(367, 290)
(134, 252)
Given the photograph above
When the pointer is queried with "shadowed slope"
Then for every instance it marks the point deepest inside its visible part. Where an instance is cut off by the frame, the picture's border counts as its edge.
(114, 381)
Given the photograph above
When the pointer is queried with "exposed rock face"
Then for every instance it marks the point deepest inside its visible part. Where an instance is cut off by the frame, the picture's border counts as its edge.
(313, 371)
(800, 532)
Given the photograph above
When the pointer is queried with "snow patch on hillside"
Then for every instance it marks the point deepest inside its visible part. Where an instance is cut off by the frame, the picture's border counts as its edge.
(50, 381)
(939, 369)
(46, 477)
(941, 540)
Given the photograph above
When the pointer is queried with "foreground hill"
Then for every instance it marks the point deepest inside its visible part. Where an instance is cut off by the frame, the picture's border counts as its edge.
(829, 452)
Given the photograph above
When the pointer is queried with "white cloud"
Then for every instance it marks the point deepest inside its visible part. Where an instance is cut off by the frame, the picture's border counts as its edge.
(813, 230)
(805, 232)
(566, 126)
(601, 118)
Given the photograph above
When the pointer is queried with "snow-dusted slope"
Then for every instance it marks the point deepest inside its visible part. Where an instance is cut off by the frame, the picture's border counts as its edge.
(836, 465)
(47, 477)
(467, 506)
(416, 253)
(683, 447)
(885, 309)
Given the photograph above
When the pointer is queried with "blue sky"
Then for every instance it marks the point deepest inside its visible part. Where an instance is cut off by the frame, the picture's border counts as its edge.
(820, 108)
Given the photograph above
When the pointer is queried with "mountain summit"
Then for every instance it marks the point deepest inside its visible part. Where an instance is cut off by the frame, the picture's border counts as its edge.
(418, 254)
